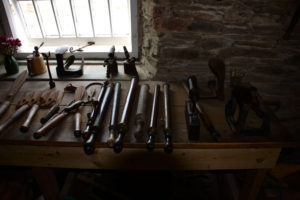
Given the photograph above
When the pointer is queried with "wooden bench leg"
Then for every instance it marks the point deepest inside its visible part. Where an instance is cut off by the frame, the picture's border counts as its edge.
(252, 183)
(47, 182)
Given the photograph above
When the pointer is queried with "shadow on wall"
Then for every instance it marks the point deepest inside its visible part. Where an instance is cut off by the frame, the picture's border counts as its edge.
(179, 37)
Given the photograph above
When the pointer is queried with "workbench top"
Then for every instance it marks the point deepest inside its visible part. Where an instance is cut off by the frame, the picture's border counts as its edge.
(62, 135)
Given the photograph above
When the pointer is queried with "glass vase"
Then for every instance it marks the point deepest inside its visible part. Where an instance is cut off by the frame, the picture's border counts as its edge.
(11, 64)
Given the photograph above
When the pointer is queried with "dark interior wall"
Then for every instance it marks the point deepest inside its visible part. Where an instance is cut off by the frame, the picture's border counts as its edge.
(179, 37)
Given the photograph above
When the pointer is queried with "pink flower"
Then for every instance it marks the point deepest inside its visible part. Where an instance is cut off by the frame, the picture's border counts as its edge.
(3, 38)
(9, 46)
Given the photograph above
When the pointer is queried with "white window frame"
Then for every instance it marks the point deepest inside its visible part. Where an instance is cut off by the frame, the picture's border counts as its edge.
(97, 52)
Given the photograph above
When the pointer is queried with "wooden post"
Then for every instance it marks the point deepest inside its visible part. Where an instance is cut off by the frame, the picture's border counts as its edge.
(252, 183)
(47, 182)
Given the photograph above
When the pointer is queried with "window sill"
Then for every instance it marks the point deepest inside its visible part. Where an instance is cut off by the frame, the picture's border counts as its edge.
(91, 52)
(92, 72)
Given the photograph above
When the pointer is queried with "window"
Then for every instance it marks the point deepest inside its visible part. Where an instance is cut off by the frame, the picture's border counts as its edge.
(74, 23)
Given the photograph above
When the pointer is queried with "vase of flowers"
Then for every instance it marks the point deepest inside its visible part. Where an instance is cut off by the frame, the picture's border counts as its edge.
(8, 47)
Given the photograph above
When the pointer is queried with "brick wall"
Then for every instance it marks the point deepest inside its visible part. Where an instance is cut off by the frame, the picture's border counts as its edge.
(179, 37)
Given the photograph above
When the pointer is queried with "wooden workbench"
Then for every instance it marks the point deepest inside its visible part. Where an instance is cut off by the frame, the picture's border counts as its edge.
(60, 149)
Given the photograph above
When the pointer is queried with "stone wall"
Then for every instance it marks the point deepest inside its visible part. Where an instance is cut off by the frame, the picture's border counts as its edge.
(179, 37)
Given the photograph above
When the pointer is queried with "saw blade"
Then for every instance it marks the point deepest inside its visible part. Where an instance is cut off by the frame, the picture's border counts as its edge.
(17, 85)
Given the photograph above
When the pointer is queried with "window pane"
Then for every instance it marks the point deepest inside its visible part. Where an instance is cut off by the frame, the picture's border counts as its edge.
(120, 17)
(100, 17)
(64, 17)
(30, 19)
(83, 18)
(47, 18)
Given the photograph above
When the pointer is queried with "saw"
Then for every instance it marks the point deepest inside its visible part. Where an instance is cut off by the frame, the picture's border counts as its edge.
(13, 91)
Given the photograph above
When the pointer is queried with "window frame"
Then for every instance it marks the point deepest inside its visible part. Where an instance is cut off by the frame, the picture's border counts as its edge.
(9, 29)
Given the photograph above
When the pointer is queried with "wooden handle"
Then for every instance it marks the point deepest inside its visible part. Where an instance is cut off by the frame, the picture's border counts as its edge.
(111, 138)
(14, 117)
(77, 131)
(49, 125)
(24, 128)
(53, 110)
(138, 134)
(4, 107)
(17, 84)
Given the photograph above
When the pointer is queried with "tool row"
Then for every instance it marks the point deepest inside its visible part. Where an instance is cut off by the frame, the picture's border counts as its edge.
(244, 99)
(109, 92)
(36, 65)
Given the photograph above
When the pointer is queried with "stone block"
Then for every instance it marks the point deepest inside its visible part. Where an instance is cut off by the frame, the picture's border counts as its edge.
(205, 27)
(214, 43)
(246, 52)
(293, 60)
(198, 15)
(238, 13)
(266, 19)
(255, 43)
(170, 24)
(179, 53)
(272, 70)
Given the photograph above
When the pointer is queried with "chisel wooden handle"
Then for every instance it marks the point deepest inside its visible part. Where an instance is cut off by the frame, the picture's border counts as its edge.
(32, 112)
(114, 114)
(140, 116)
(52, 111)
(167, 120)
(152, 130)
(14, 117)
(123, 124)
(49, 125)
(4, 107)
(77, 131)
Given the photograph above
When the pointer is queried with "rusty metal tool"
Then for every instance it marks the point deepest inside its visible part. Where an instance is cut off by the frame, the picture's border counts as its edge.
(140, 116)
(246, 98)
(43, 100)
(81, 48)
(34, 104)
(167, 120)
(152, 130)
(193, 89)
(89, 144)
(22, 107)
(51, 82)
(114, 115)
(53, 122)
(13, 91)
(123, 123)
(49, 99)
(203, 115)
(62, 68)
(93, 114)
(129, 64)
(111, 63)
(51, 112)
(55, 108)
(192, 120)
(71, 107)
